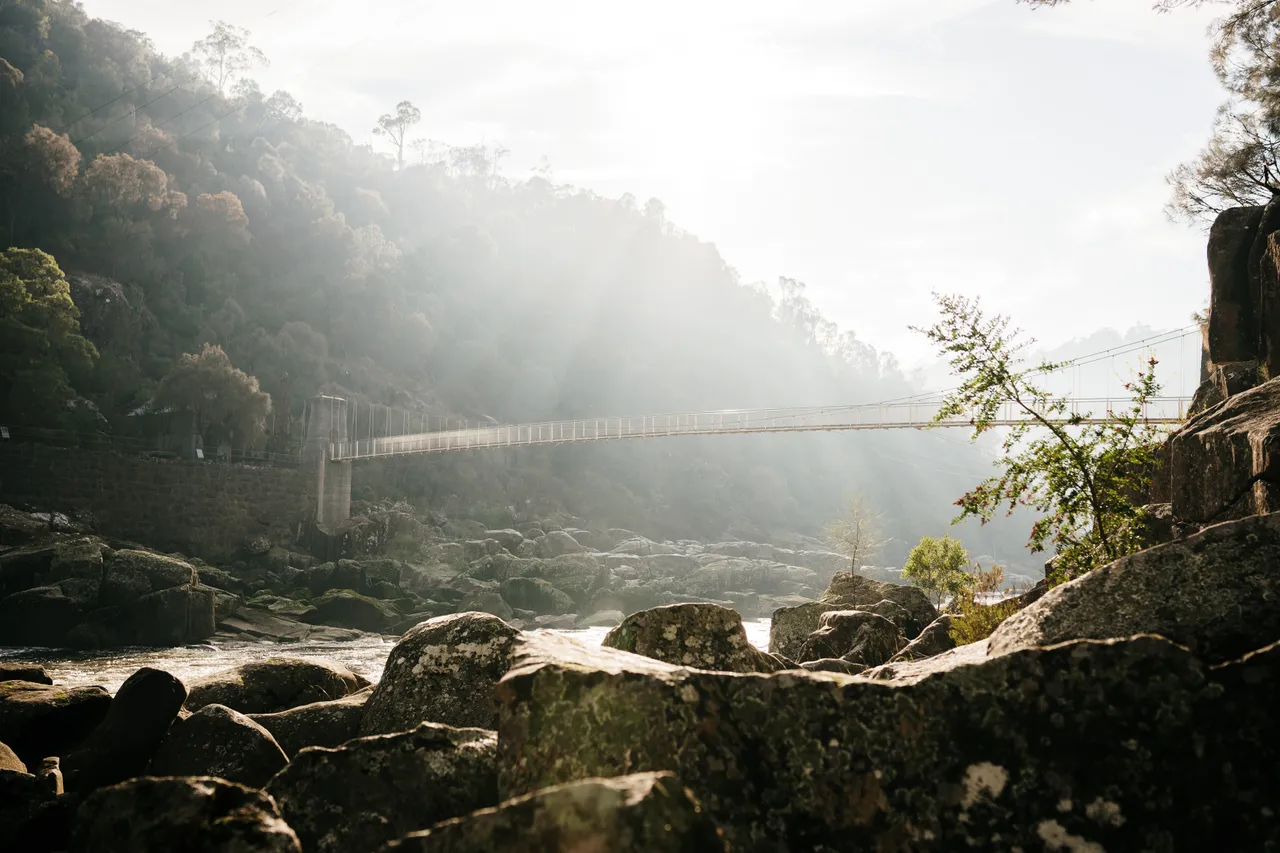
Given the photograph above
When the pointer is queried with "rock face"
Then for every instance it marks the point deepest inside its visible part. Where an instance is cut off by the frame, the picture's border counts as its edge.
(995, 755)
(124, 742)
(640, 813)
(191, 815)
(705, 636)
(906, 606)
(217, 741)
(857, 636)
(442, 671)
(374, 789)
(274, 684)
(1214, 592)
(318, 724)
(37, 720)
(1221, 464)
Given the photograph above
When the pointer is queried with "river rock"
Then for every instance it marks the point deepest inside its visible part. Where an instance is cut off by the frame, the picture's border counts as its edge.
(274, 684)
(640, 813)
(536, 595)
(557, 542)
(933, 640)
(1001, 753)
(124, 742)
(217, 741)
(129, 574)
(857, 636)
(834, 665)
(1215, 592)
(791, 626)
(374, 789)
(33, 818)
(330, 723)
(344, 608)
(602, 619)
(706, 636)
(40, 616)
(34, 673)
(150, 815)
(442, 671)
(487, 601)
(508, 539)
(38, 720)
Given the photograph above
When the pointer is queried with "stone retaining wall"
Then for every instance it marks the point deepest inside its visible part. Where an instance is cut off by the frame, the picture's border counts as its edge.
(203, 509)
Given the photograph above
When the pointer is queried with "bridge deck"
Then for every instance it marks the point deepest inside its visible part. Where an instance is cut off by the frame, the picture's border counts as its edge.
(906, 415)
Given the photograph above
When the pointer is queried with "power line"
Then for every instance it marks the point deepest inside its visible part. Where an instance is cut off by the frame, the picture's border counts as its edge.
(154, 151)
(163, 123)
(133, 111)
(119, 96)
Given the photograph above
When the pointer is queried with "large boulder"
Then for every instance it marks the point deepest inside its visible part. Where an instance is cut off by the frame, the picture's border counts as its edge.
(1220, 462)
(489, 601)
(151, 815)
(36, 674)
(125, 741)
(508, 539)
(9, 760)
(791, 626)
(706, 636)
(857, 636)
(1002, 753)
(331, 723)
(536, 595)
(640, 813)
(557, 542)
(374, 789)
(345, 608)
(442, 671)
(274, 684)
(1215, 592)
(40, 616)
(32, 815)
(130, 574)
(933, 640)
(37, 720)
(217, 741)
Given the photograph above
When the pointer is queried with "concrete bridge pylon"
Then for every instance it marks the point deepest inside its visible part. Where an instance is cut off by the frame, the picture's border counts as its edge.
(327, 426)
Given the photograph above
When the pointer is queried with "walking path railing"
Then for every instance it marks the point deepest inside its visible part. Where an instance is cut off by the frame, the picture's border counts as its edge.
(903, 415)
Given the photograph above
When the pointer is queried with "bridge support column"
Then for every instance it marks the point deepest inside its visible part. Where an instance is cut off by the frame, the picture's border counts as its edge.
(326, 426)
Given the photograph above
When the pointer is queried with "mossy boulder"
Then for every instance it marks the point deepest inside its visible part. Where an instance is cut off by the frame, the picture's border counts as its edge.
(374, 789)
(640, 813)
(535, 595)
(857, 636)
(1127, 744)
(150, 815)
(906, 606)
(129, 574)
(217, 741)
(345, 608)
(38, 720)
(274, 684)
(442, 671)
(706, 636)
(331, 723)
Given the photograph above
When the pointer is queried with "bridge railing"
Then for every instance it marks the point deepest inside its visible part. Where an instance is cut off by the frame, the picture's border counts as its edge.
(916, 414)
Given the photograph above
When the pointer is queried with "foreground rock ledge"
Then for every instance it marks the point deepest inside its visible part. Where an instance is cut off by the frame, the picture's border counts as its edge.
(1126, 744)
(1216, 592)
(641, 813)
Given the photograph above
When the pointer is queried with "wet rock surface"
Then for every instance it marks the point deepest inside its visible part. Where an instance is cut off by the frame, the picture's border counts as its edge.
(442, 671)
(705, 636)
(274, 684)
(191, 815)
(217, 741)
(628, 814)
(24, 672)
(374, 789)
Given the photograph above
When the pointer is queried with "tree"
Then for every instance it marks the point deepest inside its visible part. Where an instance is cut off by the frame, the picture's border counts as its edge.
(42, 352)
(937, 566)
(396, 125)
(35, 178)
(226, 53)
(1081, 477)
(974, 619)
(219, 395)
(856, 533)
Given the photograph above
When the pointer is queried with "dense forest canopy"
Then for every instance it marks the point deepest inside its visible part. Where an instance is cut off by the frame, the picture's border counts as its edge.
(187, 208)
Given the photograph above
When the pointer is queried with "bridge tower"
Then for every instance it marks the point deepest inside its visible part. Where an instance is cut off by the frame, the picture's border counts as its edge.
(326, 426)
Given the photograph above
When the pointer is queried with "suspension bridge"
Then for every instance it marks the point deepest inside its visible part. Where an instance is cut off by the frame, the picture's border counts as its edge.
(333, 426)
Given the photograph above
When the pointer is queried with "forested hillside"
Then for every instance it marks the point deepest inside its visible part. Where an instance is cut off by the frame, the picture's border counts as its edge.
(193, 209)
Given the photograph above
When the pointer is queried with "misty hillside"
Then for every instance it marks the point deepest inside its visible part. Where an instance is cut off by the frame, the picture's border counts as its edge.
(184, 215)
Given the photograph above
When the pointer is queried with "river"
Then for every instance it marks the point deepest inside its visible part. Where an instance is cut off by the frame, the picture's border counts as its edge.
(366, 656)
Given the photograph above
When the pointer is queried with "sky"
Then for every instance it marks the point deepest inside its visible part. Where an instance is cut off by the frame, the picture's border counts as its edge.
(878, 150)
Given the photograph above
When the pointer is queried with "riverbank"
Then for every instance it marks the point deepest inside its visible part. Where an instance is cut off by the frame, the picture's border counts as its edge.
(365, 656)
